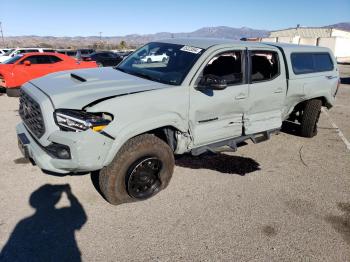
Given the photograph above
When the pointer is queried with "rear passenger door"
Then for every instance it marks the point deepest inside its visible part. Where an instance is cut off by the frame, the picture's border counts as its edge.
(267, 91)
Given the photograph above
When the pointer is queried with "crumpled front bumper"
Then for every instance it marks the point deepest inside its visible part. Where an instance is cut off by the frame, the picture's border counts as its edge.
(88, 150)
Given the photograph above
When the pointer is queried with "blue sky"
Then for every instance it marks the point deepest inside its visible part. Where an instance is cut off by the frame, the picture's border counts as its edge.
(88, 17)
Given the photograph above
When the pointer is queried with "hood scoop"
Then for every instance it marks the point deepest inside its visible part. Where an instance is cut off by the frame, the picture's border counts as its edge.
(79, 78)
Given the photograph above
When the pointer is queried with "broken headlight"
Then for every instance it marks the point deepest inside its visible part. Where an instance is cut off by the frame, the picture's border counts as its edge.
(79, 120)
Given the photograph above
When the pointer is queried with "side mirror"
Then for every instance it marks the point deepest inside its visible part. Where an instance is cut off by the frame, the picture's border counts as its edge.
(27, 63)
(213, 82)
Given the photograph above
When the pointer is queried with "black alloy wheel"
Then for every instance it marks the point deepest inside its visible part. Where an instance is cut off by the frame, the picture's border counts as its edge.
(142, 179)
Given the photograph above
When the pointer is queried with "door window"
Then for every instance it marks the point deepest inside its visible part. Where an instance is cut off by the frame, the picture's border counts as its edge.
(264, 65)
(54, 59)
(227, 66)
(36, 59)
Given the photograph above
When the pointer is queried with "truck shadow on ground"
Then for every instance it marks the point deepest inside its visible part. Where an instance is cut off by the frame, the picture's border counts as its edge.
(49, 234)
(290, 128)
(219, 162)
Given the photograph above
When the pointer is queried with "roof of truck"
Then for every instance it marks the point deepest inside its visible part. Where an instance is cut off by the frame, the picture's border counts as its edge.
(205, 43)
(292, 47)
(208, 42)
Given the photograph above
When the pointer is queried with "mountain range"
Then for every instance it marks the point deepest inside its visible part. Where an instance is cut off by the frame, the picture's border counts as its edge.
(137, 39)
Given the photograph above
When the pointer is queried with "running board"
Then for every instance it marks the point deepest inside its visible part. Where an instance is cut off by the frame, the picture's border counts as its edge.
(234, 143)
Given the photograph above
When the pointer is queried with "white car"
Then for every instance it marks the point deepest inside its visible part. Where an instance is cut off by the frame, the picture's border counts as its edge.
(17, 51)
(4, 51)
(154, 58)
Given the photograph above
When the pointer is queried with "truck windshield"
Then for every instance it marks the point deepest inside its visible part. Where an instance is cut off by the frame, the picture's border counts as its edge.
(161, 62)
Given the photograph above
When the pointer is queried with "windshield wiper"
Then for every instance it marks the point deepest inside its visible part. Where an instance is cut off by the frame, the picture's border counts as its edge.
(139, 74)
(118, 68)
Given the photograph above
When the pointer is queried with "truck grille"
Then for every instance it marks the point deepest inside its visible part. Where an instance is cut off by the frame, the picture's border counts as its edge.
(30, 112)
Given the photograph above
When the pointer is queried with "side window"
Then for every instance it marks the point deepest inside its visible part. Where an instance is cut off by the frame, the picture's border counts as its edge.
(32, 59)
(55, 59)
(264, 65)
(38, 59)
(304, 63)
(227, 66)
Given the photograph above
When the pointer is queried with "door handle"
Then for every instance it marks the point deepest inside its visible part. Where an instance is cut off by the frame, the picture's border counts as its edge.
(331, 77)
(278, 90)
(240, 96)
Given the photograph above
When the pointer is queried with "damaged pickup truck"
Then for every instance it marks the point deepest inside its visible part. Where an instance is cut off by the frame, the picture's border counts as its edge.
(128, 122)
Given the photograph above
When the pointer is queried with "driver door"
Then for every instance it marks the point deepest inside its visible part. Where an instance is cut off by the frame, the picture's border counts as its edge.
(217, 115)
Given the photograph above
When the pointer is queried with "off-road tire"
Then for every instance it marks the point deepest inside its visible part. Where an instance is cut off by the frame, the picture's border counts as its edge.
(309, 119)
(12, 92)
(113, 178)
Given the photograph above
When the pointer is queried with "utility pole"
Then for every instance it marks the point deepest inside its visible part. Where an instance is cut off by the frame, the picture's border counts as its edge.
(100, 36)
(2, 35)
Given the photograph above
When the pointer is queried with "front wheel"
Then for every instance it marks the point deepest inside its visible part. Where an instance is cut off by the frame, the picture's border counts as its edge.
(309, 118)
(142, 168)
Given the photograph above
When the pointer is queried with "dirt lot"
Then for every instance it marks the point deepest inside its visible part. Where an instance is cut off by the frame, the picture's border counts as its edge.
(286, 199)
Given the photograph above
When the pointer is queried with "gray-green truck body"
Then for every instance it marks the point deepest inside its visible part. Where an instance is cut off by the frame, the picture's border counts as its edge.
(193, 117)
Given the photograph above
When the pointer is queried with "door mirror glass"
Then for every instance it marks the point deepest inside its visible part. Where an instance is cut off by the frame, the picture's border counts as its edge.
(27, 63)
(213, 82)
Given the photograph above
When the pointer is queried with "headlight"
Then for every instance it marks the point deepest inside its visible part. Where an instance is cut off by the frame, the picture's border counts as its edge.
(79, 120)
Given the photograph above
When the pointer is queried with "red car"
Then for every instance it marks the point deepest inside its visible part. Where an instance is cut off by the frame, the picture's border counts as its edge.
(23, 68)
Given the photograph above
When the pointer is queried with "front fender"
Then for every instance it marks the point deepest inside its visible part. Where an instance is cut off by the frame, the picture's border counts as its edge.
(126, 132)
(139, 113)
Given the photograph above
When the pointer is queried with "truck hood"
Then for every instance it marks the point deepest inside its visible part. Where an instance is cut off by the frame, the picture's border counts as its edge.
(78, 88)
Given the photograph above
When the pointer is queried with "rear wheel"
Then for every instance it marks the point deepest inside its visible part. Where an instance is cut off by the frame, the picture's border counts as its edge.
(310, 116)
(149, 60)
(142, 168)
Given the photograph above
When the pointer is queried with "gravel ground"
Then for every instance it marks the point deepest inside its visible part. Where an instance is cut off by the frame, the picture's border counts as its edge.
(286, 199)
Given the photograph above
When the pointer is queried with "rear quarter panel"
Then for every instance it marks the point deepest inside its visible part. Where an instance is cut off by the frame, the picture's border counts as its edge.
(312, 85)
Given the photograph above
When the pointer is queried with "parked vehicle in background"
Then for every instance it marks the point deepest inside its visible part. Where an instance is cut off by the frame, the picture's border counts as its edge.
(104, 58)
(154, 57)
(22, 68)
(81, 53)
(129, 121)
(124, 54)
(18, 51)
(68, 52)
(4, 51)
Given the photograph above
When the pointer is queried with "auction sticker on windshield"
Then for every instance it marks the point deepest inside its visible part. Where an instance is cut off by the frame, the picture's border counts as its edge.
(191, 49)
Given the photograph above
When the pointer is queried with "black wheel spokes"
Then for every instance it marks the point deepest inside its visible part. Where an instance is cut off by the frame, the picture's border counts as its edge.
(144, 179)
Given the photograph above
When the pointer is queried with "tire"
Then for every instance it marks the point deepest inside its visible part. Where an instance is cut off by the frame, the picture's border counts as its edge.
(310, 116)
(132, 163)
(149, 60)
(164, 60)
(12, 92)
